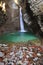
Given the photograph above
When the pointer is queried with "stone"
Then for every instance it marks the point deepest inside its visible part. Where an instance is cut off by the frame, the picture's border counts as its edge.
(1, 63)
(1, 54)
(11, 53)
(38, 54)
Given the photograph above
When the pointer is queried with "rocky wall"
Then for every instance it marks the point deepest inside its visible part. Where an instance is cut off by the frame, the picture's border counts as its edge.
(12, 23)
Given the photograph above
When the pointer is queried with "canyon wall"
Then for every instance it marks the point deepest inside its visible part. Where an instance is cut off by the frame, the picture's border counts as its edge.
(12, 23)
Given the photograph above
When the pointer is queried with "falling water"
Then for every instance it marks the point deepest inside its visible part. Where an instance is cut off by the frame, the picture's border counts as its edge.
(21, 22)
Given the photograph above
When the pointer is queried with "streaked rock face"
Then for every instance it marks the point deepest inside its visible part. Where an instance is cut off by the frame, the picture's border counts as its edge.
(12, 23)
(12, 4)
(36, 6)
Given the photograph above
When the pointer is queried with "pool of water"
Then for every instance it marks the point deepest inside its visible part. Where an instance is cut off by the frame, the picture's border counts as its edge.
(18, 37)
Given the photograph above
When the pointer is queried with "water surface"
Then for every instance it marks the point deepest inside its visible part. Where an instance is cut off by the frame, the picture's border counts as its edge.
(18, 37)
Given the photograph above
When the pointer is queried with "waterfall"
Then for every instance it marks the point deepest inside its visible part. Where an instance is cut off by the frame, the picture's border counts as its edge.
(21, 21)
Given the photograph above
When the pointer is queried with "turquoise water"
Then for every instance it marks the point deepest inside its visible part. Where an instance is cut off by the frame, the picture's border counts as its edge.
(18, 37)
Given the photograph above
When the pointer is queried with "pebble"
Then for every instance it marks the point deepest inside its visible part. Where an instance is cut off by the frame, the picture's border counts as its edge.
(5, 59)
(25, 48)
(19, 62)
(1, 63)
(5, 45)
(1, 54)
(38, 54)
(0, 45)
(21, 56)
(11, 53)
(27, 56)
(35, 59)
(25, 62)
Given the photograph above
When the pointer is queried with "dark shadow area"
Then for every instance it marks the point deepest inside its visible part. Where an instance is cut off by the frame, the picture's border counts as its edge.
(34, 25)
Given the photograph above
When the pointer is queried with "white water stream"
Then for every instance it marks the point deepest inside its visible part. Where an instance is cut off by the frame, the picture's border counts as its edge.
(21, 21)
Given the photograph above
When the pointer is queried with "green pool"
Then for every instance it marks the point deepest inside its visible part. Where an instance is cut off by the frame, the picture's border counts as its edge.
(18, 37)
